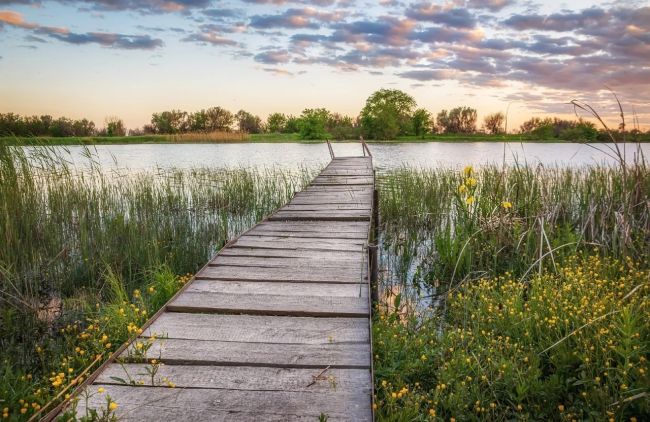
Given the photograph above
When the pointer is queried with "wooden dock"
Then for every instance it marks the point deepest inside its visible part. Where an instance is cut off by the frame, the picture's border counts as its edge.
(276, 327)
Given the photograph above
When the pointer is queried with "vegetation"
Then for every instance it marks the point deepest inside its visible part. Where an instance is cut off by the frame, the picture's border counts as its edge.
(514, 293)
(571, 344)
(80, 244)
(388, 114)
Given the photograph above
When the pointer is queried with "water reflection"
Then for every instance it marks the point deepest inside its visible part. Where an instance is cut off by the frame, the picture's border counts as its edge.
(386, 156)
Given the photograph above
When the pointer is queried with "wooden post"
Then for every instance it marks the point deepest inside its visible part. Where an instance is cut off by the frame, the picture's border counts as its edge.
(374, 272)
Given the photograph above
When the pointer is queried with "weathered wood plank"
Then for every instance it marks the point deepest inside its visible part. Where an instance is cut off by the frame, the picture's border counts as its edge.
(233, 353)
(343, 226)
(164, 404)
(334, 381)
(309, 234)
(289, 274)
(320, 215)
(260, 329)
(278, 288)
(325, 207)
(282, 262)
(351, 245)
(264, 301)
(355, 256)
(342, 180)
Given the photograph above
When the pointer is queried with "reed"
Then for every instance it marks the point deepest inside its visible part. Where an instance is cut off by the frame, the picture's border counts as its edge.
(209, 137)
(487, 221)
(64, 227)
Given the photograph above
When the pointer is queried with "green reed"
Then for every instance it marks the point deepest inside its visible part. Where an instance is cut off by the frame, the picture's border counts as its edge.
(62, 227)
(493, 219)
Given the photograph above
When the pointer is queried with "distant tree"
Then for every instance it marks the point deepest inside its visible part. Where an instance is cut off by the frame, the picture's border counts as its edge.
(387, 114)
(313, 123)
(342, 127)
(62, 127)
(580, 131)
(534, 123)
(421, 121)
(276, 122)
(246, 122)
(115, 126)
(219, 119)
(493, 123)
(198, 121)
(292, 125)
(457, 120)
(174, 121)
(83, 127)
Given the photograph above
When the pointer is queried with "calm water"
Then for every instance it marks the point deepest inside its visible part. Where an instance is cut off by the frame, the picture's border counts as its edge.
(386, 156)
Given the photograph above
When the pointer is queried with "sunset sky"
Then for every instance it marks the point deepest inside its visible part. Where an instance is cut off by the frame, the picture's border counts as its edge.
(130, 58)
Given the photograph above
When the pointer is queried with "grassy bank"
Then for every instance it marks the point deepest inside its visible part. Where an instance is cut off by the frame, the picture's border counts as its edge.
(262, 138)
(88, 253)
(538, 281)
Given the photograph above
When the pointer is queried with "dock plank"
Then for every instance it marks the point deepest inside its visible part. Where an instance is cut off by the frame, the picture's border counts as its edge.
(277, 355)
(260, 329)
(165, 404)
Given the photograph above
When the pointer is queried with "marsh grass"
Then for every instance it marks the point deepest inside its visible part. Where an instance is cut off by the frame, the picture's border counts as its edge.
(68, 231)
(493, 219)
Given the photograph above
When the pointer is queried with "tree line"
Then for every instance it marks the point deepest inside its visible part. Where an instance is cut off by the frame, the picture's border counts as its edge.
(12, 124)
(387, 114)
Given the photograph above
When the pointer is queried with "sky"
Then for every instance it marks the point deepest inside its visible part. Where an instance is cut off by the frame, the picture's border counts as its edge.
(130, 58)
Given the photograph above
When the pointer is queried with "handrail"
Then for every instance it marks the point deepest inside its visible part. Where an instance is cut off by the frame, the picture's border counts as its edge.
(365, 148)
(329, 146)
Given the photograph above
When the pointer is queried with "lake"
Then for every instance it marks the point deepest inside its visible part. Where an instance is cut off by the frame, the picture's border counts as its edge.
(386, 156)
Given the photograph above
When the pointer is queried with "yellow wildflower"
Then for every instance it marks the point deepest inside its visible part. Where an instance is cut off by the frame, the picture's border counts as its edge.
(468, 170)
(506, 204)
(462, 189)
(112, 406)
(469, 200)
(470, 182)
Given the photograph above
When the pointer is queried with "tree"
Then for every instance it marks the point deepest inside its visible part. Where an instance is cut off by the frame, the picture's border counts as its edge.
(62, 127)
(115, 126)
(494, 123)
(313, 123)
(247, 122)
(292, 125)
(387, 113)
(457, 120)
(198, 121)
(421, 121)
(276, 122)
(219, 119)
(342, 127)
(83, 127)
(174, 121)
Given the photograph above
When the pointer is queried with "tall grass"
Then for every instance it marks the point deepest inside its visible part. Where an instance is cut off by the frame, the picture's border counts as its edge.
(491, 220)
(62, 228)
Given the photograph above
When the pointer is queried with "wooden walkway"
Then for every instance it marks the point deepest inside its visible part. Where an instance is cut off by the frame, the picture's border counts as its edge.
(276, 327)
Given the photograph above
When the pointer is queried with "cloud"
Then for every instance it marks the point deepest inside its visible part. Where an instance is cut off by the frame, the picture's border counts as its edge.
(384, 30)
(143, 6)
(294, 19)
(456, 17)
(208, 35)
(492, 5)
(428, 75)
(276, 71)
(273, 57)
(569, 21)
(279, 2)
(113, 40)
(223, 13)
